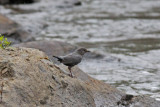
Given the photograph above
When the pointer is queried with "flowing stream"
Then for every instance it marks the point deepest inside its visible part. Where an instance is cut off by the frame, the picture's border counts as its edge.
(126, 32)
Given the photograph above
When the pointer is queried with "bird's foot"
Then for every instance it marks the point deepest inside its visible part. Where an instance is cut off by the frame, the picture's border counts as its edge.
(71, 76)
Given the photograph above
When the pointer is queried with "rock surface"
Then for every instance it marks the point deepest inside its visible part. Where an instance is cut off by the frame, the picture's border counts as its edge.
(13, 31)
(31, 80)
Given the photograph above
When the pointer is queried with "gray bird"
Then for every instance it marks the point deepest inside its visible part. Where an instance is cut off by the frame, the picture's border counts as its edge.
(72, 59)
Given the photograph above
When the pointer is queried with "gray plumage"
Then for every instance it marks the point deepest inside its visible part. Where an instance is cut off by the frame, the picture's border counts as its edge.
(72, 59)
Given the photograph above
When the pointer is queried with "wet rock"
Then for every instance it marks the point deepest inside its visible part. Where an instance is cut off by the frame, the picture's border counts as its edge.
(70, 3)
(13, 31)
(17, 1)
(49, 47)
(18, 36)
(55, 48)
(30, 86)
(73, 2)
(93, 55)
(4, 1)
(138, 101)
(7, 24)
(78, 3)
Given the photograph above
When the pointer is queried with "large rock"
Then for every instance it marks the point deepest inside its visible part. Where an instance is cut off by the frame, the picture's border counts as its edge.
(50, 47)
(13, 31)
(53, 47)
(31, 80)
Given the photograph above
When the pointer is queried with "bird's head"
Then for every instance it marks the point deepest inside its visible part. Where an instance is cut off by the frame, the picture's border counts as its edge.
(82, 51)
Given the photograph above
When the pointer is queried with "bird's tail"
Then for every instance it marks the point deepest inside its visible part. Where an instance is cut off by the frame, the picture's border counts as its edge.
(59, 59)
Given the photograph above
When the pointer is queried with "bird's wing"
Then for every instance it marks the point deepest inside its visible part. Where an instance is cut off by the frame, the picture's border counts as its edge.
(71, 59)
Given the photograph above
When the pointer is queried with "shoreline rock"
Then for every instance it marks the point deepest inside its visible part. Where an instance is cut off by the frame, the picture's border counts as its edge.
(13, 31)
(53, 47)
(30, 79)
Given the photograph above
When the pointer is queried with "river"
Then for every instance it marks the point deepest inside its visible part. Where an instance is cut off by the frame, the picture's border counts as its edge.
(126, 32)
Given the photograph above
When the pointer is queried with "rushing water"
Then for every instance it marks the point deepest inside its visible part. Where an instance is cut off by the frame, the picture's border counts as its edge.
(127, 32)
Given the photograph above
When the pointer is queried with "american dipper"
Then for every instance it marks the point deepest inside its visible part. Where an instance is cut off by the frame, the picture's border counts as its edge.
(72, 59)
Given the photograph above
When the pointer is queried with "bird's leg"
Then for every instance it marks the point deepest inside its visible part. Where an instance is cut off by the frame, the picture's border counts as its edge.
(70, 71)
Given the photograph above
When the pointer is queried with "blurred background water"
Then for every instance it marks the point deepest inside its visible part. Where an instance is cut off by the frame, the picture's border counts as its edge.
(126, 32)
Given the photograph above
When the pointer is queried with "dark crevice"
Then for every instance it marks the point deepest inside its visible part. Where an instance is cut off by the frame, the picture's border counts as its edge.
(20, 1)
(126, 100)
